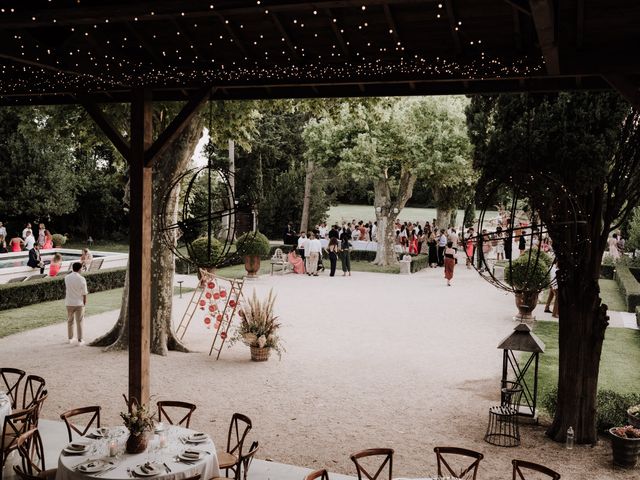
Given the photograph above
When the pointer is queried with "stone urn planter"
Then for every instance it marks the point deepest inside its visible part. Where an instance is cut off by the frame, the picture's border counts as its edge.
(252, 265)
(625, 449)
(252, 246)
(526, 303)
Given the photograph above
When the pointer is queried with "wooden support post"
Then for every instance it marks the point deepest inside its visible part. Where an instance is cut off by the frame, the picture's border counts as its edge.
(140, 177)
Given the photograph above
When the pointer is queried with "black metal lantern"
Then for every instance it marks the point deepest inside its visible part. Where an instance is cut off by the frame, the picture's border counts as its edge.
(515, 370)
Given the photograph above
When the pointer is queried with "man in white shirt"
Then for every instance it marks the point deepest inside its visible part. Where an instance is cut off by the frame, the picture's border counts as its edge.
(3, 231)
(302, 239)
(313, 254)
(75, 300)
(29, 241)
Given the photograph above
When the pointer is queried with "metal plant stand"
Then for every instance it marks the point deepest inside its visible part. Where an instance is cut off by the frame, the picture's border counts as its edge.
(503, 429)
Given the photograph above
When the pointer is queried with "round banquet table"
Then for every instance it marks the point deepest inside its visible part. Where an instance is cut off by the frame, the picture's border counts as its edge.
(124, 463)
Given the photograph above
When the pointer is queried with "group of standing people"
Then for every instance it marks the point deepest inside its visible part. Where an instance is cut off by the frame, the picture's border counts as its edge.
(27, 240)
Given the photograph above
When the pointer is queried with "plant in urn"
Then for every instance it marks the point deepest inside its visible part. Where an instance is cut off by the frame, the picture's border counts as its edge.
(138, 420)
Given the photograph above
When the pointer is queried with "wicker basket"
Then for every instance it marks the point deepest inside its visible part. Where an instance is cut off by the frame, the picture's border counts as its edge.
(260, 354)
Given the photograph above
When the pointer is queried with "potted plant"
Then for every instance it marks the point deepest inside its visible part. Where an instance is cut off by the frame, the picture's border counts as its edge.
(633, 413)
(528, 275)
(251, 246)
(58, 240)
(625, 444)
(139, 420)
(206, 253)
(259, 327)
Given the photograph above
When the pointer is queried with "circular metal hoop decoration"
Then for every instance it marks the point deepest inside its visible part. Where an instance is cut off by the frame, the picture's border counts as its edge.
(514, 250)
(205, 227)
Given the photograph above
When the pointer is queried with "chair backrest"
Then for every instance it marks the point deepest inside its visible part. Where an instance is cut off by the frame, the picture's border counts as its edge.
(92, 412)
(385, 461)
(469, 471)
(510, 394)
(245, 462)
(33, 387)
(31, 454)
(37, 408)
(37, 276)
(17, 279)
(278, 256)
(12, 378)
(95, 264)
(15, 424)
(321, 474)
(519, 465)
(195, 477)
(165, 405)
(238, 430)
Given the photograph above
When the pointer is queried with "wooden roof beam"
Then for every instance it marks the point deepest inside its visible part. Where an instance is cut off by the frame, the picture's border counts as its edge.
(453, 25)
(627, 87)
(192, 45)
(544, 19)
(520, 5)
(285, 35)
(392, 23)
(107, 127)
(580, 23)
(146, 45)
(337, 34)
(234, 37)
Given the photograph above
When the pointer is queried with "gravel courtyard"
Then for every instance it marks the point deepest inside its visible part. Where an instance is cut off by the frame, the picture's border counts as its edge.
(372, 360)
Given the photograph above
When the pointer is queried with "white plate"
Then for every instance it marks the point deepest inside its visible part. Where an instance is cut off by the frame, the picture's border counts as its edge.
(194, 438)
(93, 466)
(101, 432)
(187, 458)
(138, 471)
(76, 451)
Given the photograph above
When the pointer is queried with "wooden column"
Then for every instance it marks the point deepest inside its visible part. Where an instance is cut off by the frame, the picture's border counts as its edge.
(140, 245)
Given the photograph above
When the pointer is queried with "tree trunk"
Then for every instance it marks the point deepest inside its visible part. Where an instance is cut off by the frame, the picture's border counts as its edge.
(443, 217)
(166, 170)
(306, 201)
(386, 217)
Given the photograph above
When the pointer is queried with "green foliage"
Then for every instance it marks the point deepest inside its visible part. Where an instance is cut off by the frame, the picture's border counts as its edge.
(16, 295)
(634, 230)
(629, 287)
(206, 252)
(419, 262)
(611, 407)
(58, 239)
(253, 243)
(529, 272)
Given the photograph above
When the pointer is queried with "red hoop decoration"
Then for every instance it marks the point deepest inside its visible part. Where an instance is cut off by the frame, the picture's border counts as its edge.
(211, 285)
(223, 335)
(202, 303)
(223, 293)
(207, 321)
(208, 294)
(232, 303)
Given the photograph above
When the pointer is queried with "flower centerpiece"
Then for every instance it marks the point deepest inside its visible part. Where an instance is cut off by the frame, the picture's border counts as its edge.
(139, 420)
(259, 327)
(634, 415)
(625, 443)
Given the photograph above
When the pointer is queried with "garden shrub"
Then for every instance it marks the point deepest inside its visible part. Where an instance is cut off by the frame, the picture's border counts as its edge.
(611, 407)
(607, 271)
(638, 316)
(253, 243)
(419, 262)
(206, 252)
(58, 240)
(16, 295)
(629, 287)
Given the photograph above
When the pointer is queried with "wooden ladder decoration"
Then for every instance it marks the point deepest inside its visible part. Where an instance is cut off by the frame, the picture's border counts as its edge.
(192, 308)
(224, 317)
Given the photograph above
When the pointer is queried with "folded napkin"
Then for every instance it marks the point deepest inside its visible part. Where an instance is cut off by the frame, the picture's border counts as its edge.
(77, 446)
(198, 435)
(194, 454)
(148, 468)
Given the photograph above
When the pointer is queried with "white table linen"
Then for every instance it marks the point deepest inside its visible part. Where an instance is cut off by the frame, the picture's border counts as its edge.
(124, 463)
(5, 407)
(362, 245)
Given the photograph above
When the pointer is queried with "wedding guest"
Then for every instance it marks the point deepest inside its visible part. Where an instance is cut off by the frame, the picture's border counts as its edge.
(449, 262)
(3, 230)
(35, 261)
(56, 263)
(75, 300)
(442, 245)
(296, 261)
(29, 241)
(85, 259)
(48, 241)
(25, 229)
(333, 249)
(301, 243)
(41, 234)
(3, 245)
(345, 252)
(312, 255)
(613, 246)
(16, 244)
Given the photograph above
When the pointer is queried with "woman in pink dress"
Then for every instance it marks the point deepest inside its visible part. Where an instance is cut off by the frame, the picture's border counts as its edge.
(16, 244)
(413, 243)
(296, 261)
(48, 240)
(56, 263)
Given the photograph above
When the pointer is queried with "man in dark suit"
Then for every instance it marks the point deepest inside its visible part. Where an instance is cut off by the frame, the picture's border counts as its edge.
(35, 261)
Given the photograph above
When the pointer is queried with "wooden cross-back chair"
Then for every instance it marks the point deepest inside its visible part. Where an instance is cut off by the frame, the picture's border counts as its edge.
(32, 457)
(238, 429)
(165, 405)
(386, 461)
(244, 463)
(469, 472)
(36, 407)
(14, 425)
(519, 465)
(318, 474)
(33, 388)
(92, 412)
(11, 378)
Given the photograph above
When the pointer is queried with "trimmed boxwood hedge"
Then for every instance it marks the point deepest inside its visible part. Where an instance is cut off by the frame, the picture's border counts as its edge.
(629, 287)
(16, 295)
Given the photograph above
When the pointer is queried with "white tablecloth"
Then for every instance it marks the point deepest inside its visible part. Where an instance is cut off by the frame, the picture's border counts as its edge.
(207, 467)
(361, 245)
(5, 407)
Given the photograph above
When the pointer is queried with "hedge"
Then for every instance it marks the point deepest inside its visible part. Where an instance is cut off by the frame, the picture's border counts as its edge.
(611, 407)
(419, 262)
(607, 271)
(16, 295)
(629, 287)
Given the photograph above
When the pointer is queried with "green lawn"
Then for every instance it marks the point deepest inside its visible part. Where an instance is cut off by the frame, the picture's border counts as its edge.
(47, 313)
(611, 295)
(619, 365)
(238, 271)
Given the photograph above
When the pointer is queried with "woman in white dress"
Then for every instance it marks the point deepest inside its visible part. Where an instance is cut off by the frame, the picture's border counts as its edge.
(613, 247)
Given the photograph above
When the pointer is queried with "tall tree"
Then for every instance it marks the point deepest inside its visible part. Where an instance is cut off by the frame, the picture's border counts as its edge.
(590, 145)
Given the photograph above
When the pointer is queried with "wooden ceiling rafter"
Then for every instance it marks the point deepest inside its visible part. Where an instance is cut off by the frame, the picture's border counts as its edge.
(543, 14)
(392, 23)
(146, 44)
(520, 5)
(285, 35)
(226, 23)
(184, 33)
(98, 116)
(336, 32)
(453, 25)
(579, 24)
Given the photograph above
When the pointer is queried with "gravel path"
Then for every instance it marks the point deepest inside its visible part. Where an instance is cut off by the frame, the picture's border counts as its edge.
(372, 360)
